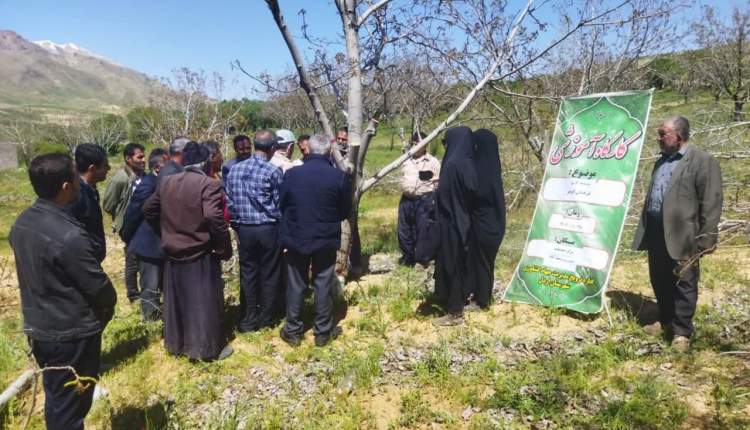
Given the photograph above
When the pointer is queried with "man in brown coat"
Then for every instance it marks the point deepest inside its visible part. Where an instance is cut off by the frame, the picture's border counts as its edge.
(678, 225)
(187, 211)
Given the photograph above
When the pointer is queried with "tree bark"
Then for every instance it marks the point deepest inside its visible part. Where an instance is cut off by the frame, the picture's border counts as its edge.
(305, 81)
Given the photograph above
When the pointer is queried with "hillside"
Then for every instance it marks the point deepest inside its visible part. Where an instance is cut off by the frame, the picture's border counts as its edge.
(44, 75)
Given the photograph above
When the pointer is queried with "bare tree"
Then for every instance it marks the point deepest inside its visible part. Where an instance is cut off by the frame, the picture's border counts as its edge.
(470, 42)
(188, 105)
(724, 57)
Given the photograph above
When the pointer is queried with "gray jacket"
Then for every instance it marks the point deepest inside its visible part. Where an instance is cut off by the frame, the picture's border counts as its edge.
(691, 208)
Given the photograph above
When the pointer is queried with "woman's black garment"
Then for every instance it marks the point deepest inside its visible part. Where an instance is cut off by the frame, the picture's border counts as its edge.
(455, 194)
(194, 307)
(487, 216)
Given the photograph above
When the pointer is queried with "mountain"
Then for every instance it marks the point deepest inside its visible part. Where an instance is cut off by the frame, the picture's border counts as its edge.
(68, 77)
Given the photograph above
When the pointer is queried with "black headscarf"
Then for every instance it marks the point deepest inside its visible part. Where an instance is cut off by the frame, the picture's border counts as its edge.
(488, 216)
(455, 194)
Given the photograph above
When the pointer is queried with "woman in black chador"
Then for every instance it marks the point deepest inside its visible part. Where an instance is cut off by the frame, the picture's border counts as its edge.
(487, 218)
(455, 196)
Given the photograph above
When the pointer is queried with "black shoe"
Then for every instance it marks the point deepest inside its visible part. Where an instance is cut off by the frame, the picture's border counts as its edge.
(325, 339)
(292, 340)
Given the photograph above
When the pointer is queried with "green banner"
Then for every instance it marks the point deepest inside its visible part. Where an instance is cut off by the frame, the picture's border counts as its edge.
(580, 212)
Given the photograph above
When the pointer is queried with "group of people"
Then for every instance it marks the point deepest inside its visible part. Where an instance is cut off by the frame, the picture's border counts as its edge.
(176, 222)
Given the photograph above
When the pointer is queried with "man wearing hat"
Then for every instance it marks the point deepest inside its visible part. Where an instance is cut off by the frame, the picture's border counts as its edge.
(283, 150)
(253, 200)
(187, 209)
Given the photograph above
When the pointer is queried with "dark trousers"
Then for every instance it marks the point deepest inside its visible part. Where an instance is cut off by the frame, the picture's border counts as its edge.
(150, 272)
(676, 295)
(131, 275)
(64, 407)
(412, 213)
(298, 265)
(481, 261)
(260, 276)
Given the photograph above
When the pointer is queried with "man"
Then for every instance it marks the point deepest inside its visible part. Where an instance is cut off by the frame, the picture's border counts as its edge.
(419, 174)
(174, 165)
(342, 140)
(66, 298)
(315, 198)
(116, 199)
(243, 148)
(92, 166)
(283, 150)
(678, 225)
(143, 242)
(187, 211)
(253, 201)
(302, 143)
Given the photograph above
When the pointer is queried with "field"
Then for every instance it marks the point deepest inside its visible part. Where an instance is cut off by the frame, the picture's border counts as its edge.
(514, 366)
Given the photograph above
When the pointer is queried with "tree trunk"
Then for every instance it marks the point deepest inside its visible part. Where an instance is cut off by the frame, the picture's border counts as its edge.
(739, 115)
(350, 252)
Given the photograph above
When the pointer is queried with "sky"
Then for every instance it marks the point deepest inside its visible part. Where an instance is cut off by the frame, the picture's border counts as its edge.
(158, 36)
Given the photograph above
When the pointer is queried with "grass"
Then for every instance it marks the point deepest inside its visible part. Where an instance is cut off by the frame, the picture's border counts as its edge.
(515, 366)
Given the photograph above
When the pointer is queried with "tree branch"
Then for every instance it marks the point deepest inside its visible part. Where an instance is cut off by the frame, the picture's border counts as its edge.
(372, 9)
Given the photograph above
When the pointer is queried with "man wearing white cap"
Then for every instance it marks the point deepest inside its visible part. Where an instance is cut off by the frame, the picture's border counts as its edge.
(283, 150)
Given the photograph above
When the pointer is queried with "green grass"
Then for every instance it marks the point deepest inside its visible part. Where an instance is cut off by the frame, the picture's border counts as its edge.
(573, 384)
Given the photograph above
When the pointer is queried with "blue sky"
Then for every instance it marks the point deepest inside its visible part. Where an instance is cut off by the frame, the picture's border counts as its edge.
(158, 36)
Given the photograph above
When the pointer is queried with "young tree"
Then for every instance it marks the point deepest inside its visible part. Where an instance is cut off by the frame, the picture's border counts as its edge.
(725, 55)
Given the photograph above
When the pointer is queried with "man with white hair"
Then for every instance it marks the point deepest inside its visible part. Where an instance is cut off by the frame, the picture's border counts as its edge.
(678, 225)
(315, 198)
(283, 150)
(174, 164)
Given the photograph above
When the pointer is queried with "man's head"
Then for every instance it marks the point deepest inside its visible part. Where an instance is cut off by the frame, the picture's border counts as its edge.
(91, 163)
(196, 156)
(156, 159)
(342, 137)
(176, 148)
(135, 157)
(243, 147)
(53, 177)
(285, 142)
(304, 145)
(264, 141)
(216, 159)
(415, 139)
(673, 134)
(319, 144)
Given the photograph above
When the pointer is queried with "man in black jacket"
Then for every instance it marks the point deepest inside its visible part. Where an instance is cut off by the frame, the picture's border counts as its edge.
(143, 242)
(92, 165)
(66, 298)
(315, 198)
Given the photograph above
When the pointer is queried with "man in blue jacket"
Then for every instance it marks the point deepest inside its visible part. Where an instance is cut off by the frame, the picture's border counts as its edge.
(315, 198)
(143, 242)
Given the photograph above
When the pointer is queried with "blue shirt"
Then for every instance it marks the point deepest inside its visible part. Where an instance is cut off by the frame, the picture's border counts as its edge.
(662, 176)
(252, 188)
(228, 166)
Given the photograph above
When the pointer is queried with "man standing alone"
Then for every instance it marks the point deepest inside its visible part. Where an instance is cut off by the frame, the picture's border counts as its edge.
(253, 201)
(678, 225)
(419, 174)
(116, 199)
(315, 198)
(66, 298)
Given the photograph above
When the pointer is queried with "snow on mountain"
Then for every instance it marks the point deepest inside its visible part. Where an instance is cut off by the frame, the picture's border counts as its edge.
(67, 48)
